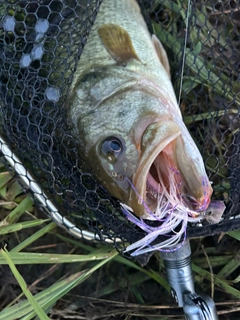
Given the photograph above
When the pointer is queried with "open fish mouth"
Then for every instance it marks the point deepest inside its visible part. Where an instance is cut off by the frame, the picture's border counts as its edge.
(165, 183)
(170, 187)
(169, 173)
(172, 196)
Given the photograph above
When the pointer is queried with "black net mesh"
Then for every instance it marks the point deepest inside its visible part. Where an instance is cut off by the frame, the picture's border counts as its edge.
(40, 45)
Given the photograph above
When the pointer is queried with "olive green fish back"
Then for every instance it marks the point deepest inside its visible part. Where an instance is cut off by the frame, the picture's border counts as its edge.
(125, 14)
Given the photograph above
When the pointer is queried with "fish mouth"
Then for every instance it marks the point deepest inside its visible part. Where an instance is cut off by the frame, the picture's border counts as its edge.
(165, 180)
(168, 173)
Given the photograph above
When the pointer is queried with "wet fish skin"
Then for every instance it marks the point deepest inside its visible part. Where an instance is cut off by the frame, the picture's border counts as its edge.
(125, 13)
(135, 104)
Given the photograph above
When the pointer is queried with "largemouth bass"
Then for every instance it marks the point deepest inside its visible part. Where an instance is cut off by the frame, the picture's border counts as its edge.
(123, 111)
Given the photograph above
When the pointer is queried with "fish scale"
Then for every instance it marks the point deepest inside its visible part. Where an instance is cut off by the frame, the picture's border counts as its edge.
(125, 13)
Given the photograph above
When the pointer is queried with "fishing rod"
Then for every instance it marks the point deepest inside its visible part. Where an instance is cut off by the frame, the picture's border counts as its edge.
(179, 274)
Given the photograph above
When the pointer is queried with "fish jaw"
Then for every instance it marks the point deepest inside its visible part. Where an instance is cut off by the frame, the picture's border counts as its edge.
(197, 188)
(170, 165)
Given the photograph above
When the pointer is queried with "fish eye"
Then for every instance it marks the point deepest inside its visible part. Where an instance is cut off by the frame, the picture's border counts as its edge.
(112, 147)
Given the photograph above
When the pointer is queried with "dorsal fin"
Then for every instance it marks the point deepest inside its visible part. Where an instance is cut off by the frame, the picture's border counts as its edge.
(162, 55)
(117, 42)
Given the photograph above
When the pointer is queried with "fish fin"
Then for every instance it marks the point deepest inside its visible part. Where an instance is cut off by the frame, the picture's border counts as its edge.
(117, 42)
(162, 55)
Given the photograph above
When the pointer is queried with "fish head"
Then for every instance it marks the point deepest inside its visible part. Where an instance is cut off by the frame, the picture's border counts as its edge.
(156, 157)
(139, 149)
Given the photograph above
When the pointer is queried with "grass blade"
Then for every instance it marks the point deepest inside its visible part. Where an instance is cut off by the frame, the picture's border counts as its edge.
(218, 282)
(37, 309)
(34, 237)
(48, 297)
(21, 225)
(50, 258)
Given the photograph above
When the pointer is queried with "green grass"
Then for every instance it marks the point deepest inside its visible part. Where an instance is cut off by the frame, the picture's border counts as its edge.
(49, 273)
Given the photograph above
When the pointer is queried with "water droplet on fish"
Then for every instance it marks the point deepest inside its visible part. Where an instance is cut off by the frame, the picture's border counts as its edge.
(52, 94)
(41, 26)
(9, 23)
(37, 52)
(25, 61)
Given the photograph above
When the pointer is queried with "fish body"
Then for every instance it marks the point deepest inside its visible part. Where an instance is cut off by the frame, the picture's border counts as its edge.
(124, 114)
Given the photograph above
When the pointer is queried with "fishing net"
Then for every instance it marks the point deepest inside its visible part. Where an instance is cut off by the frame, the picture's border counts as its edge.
(40, 45)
